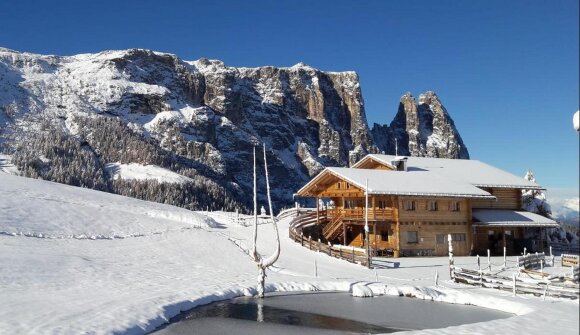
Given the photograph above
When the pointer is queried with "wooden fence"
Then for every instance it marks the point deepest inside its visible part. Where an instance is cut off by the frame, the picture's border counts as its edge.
(308, 217)
(532, 261)
(514, 284)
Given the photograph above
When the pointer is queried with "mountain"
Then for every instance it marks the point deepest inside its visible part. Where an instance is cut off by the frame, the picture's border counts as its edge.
(422, 129)
(153, 126)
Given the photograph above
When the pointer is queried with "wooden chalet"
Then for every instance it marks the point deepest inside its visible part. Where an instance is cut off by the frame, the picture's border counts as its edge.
(415, 203)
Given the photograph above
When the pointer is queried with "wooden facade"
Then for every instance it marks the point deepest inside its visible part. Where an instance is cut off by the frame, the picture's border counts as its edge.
(412, 225)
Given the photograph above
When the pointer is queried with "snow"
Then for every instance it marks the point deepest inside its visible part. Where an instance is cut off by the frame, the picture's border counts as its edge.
(6, 165)
(471, 171)
(412, 182)
(176, 260)
(135, 171)
(507, 217)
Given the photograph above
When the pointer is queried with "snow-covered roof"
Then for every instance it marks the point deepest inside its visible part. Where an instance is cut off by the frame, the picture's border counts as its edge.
(471, 171)
(411, 183)
(506, 217)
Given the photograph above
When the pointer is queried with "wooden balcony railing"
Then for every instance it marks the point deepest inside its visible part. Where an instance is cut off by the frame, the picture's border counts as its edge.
(387, 214)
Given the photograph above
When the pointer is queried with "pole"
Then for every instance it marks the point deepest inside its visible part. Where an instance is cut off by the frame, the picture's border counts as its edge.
(367, 222)
(504, 258)
(488, 259)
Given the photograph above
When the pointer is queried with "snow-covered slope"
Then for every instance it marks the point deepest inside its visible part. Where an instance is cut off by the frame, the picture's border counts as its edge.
(45, 209)
(135, 284)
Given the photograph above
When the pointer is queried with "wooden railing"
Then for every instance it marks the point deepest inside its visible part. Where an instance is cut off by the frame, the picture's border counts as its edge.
(351, 254)
(332, 229)
(514, 284)
(359, 213)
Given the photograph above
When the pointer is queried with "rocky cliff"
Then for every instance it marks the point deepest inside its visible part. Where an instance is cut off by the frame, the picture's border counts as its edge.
(128, 121)
(422, 129)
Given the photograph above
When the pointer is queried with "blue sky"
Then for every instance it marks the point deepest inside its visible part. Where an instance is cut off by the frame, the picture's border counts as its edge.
(507, 71)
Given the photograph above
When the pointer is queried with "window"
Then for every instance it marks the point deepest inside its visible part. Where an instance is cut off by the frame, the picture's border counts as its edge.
(347, 186)
(455, 207)
(458, 237)
(410, 205)
(350, 204)
(440, 238)
(433, 206)
(338, 185)
(412, 237)
(385, 235)
(382, 204)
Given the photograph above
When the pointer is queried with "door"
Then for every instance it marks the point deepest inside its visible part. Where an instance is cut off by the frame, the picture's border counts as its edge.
(459, 242)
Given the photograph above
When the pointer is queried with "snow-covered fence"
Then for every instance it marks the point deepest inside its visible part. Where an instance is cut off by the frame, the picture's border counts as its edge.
(570, 260)
(293, 212)
(516, 285)
(532, 261)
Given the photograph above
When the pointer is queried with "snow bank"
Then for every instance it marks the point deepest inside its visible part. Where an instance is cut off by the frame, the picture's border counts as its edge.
(40, 208)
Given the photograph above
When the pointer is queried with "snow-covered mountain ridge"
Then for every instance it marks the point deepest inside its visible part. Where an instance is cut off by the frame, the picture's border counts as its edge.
(60, 115)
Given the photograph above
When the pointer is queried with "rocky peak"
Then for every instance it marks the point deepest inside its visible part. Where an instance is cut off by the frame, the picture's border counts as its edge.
(422, 129)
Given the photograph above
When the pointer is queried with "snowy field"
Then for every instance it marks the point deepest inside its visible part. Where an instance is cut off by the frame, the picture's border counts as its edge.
(78, 261)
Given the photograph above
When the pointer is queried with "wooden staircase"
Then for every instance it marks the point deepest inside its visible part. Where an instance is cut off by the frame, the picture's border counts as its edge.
(333, 229)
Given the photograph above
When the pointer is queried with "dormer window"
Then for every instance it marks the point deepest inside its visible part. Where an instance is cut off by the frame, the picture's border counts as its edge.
(347, 186)
(455, 206)
(410, 205)
(338, 186)
(433, 206)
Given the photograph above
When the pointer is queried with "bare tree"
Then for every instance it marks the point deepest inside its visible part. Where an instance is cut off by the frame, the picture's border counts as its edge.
(262, 263)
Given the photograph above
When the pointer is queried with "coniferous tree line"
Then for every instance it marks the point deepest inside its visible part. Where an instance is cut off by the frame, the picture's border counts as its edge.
(52, 153)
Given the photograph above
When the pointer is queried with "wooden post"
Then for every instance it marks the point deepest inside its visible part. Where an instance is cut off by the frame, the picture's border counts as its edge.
(344, 233)
(318, 248)
(451, 260)
(317, 211)
(504, 257)
(525, 249)
(478, 264)
(488, 259)
(302, 238)
(436, 278)
(503, 238)
(397, 253)
(514, 283)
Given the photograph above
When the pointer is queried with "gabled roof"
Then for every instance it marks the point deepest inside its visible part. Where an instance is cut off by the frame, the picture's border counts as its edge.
(410, 183)
(511, 218)
(470, 171)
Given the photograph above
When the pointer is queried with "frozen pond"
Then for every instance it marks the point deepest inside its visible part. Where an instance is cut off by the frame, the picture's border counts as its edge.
(324, 313)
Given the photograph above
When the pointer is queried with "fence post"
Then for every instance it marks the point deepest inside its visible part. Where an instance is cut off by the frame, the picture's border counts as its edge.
(478, 264)
(488, 259)
(514, 283)
(310, 242)
(518, 262)
(504, 257)
(436, 278)
(542, 265)
(451, 260)
(353, 254)
(545, 291)
(551, 254)
(318, 245)
(340, 252)
(525, 251)
(302, 238)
